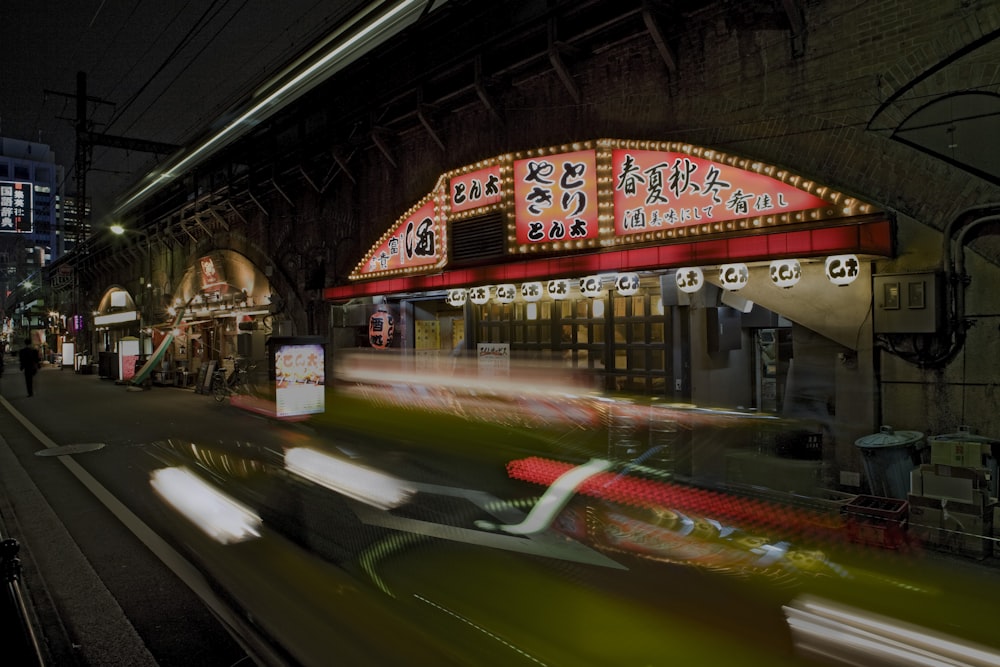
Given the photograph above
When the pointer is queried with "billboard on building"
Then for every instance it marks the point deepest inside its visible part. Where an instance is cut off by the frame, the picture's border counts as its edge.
(15, 207)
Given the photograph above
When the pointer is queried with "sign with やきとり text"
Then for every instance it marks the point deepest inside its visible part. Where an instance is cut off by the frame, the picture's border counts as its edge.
(555, 198)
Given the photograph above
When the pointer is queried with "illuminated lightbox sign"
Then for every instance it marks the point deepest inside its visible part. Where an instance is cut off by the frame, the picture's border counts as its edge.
(475, 189)
(299, 377)
(15, 207)
(416, 242)
(555, 198)
(655, 190)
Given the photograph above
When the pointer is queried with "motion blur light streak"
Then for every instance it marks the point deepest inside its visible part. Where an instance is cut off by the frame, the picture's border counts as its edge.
(369, 486)
(555, 498)
(848, 636)
(219, 516)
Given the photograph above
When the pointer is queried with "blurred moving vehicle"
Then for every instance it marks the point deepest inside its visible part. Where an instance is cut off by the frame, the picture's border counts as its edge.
(452, 521)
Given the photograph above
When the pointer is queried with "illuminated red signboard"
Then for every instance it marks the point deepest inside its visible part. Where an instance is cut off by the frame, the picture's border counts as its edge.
(475, 189)
(15, 207)
(212, 278)
(555, 198)
(659, 189)
(415, 242)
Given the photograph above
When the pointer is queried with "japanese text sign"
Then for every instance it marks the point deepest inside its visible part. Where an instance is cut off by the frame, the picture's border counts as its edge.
(475, 189)
(15, 207)
(555, 198)
(659, 189)
(415, 242)
(300, 379)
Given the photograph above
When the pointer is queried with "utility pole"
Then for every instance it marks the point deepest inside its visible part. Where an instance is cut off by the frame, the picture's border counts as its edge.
(87, 139)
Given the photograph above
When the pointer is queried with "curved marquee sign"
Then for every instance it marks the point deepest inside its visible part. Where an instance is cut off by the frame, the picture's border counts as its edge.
(595, 195)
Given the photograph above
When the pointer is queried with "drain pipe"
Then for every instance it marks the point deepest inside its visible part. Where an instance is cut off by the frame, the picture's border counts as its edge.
(956, 280)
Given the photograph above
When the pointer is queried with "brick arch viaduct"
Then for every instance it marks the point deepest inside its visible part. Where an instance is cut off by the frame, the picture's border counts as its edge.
(817, 87)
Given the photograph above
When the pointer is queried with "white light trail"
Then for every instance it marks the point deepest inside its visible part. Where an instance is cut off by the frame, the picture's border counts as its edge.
(219, 516)
(369, 486)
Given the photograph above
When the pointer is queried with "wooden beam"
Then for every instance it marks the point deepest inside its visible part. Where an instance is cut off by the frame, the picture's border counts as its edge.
(653, 27)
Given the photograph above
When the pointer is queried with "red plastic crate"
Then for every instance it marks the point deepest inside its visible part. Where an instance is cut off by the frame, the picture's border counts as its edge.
(877, 521)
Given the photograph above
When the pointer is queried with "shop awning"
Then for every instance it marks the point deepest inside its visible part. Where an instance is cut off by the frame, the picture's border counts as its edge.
(867, 239)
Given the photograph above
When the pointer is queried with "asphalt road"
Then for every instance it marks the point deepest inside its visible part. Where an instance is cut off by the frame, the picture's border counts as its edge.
(117, 578)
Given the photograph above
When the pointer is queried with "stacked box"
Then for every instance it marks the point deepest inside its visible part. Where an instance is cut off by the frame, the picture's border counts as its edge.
(948, 525)
(947, 482)
(962, 453)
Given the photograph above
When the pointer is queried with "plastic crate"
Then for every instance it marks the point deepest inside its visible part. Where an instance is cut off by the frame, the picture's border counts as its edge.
(876, 521)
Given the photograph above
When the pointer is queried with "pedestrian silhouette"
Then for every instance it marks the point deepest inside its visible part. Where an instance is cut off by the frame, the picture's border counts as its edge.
(30, 362)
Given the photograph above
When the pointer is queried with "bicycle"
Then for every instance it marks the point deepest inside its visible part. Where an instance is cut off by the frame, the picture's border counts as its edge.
(238, 382)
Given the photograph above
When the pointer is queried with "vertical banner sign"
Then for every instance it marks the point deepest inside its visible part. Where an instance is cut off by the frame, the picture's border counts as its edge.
(555, 198)
(655, 190)
(475, 189)
(212, 278)
(299, 378)
(381, 329)
(15, 207)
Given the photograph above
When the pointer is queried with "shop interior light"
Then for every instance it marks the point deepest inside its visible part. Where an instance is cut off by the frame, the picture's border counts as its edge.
(590, 286)
(457, 297)
(480, 295)
(627, 284)
(786, 272)
(689, 279)
(734, 276)
(531, 310)
(531, 291)
(558, 289)
(505, 293)
(842, 269)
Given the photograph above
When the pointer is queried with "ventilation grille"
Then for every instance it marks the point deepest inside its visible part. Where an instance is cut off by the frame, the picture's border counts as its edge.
(477, 239)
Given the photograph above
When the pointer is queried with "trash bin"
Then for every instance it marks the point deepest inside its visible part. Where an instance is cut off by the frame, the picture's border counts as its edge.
(968, 450)
(888, 457)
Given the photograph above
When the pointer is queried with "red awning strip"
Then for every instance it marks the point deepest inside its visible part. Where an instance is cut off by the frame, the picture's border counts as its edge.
(870, 238)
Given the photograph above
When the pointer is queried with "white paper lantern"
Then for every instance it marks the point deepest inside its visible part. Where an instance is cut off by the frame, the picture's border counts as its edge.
(505, 293)
(842, 269)
(734, 276)
(531, 291)
(558, 289)
(627, 284)
(786, 272)
(480, 295)
(457, 297)
(590, 286)
(690, 279)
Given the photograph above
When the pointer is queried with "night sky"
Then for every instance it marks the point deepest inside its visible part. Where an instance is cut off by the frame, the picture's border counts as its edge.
(168, 70)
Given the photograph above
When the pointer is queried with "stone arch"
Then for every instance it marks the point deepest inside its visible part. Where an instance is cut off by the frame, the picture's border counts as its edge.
(288, 305)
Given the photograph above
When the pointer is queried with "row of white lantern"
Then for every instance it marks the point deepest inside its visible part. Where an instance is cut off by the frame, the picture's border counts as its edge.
(786, 273)
(626, 284)
(839, 269)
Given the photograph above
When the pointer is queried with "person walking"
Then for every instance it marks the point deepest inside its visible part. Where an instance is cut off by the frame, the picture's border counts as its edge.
(30, 362)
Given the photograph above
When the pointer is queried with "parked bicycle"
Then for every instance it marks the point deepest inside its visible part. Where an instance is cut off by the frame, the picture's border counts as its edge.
(237, 382)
